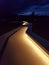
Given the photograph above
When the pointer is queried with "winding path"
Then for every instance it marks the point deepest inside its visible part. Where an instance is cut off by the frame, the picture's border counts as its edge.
(22, 50)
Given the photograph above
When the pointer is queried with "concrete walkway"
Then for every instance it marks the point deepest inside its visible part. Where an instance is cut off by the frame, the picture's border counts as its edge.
(22, 50)
(4, 39)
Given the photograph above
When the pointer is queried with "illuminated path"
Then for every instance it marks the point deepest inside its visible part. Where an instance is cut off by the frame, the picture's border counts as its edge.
(22, 50)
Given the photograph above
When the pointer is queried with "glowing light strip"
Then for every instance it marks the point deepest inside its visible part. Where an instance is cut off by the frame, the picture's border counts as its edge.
(37, 49)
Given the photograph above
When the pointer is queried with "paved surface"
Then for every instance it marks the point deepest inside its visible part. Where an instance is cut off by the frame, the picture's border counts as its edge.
(4, 37)
(41, 41)
(22, 50)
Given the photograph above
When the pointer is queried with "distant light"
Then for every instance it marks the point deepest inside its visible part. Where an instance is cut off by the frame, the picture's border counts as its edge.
(25, 23)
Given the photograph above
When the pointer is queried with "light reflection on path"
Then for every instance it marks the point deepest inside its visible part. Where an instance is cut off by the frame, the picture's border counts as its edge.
(22, 50)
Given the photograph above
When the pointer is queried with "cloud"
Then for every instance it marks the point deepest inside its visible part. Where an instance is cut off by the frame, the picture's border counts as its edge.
(24, 6)
(39, 10)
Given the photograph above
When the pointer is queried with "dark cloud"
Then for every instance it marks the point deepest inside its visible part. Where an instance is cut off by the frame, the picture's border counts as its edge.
(21, 6)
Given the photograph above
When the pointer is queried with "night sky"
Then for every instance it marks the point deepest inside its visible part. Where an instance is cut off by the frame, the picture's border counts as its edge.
(25, 7)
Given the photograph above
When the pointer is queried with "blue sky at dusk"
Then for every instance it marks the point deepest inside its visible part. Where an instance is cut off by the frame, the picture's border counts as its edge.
(38, 10)
(25, 7)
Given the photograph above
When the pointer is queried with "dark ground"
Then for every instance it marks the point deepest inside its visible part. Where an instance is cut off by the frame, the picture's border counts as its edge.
(41, 27)
(6, 27)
